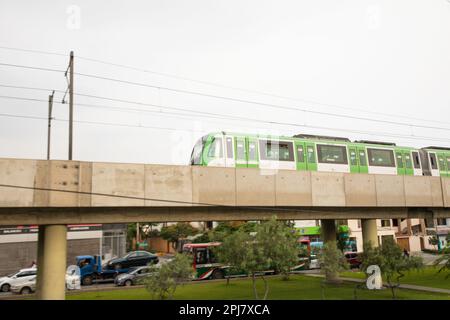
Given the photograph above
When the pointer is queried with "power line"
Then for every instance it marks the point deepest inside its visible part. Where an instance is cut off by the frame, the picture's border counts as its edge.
(226, 86)
(392, 135)
(238, 100)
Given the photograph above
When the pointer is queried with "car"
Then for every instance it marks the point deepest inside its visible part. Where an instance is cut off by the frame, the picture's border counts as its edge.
(5, 282)
(27, 285)
(132, 259)
(24, 285)
(353, 259)
(133, 277)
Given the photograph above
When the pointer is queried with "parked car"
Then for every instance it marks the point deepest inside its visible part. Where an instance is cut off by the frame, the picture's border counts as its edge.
(133, 277)
(27, 285)
(353, 259)
(132, 259)
(5, 282)
(24, 285)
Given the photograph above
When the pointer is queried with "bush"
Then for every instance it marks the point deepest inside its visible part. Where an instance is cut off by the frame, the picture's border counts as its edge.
(163, 280)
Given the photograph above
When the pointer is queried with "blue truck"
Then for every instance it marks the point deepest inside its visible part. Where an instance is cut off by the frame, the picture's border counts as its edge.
(91, 270)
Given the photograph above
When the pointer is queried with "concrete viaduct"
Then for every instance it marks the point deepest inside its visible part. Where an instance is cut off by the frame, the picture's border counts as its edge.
(55, 193)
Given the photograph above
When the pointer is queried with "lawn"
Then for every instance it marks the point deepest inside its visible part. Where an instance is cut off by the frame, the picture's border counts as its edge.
(427, 277)
(299, 287)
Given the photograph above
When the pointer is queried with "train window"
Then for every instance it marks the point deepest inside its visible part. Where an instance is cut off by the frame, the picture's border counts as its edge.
(332, 154)
(311, 154)
(353, 160)
(230, 148)
(240, 150)
(399, 160)
(433, 161)
(276, 150)
(408, 163)
(416, 160)
(300, 154)
(381, 157)
(215, 148)
(441, 163)
(252, 155)
(196, 156)
(362, 158)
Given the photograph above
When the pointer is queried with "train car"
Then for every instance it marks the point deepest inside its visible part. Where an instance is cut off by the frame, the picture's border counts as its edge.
(314, 153)
(436, 161)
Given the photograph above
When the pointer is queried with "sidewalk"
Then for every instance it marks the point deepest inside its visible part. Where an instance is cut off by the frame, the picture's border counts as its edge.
(402, 286)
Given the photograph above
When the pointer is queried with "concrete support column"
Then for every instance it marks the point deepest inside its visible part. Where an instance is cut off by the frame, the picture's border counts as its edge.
(328, 230)
(40, 260)
(53, 274)
(369, 231)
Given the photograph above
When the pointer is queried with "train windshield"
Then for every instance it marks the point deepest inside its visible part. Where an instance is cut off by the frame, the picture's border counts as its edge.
(196, 156)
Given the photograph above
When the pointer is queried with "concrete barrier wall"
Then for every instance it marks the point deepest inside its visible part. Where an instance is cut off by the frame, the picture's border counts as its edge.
(163, 186)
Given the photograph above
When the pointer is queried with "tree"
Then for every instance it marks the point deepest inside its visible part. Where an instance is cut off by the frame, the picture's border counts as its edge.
(434, 241)
(392, 262)
(273, 246)
(332, 261)
(444, 261)
(175, 232)
(279, 243)
(162, 282)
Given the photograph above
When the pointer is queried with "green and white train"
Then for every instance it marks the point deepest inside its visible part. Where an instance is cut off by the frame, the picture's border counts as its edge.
(318, 153)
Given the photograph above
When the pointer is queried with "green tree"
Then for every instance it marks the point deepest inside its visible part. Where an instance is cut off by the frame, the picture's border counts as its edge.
(279, 243)
(434, 241)
(163, 281)
(392, 262)
(332, 262)
(444, 262)
(273, 246)
(173, 233)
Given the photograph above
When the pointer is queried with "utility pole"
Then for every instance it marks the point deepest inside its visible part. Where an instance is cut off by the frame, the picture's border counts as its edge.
(70, 105)
(137, 235)
(50, 107)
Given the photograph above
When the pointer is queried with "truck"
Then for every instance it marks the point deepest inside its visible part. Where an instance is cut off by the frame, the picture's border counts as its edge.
(91, 270)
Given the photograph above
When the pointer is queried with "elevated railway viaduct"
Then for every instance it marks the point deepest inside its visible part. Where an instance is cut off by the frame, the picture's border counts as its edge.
(55, 193)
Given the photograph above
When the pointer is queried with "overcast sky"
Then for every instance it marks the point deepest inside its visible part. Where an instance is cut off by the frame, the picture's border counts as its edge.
(386, 60)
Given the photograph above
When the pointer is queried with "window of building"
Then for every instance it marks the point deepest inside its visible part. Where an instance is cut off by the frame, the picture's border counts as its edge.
(441, 222)
(215, 149)
(429, 223)
(332, 154)
(385, 222)
(381, 157)
(395, 222)
(276, 150)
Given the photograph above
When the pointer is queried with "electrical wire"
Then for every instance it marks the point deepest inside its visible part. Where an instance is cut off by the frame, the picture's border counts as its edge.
(225, 86)
(236, 99)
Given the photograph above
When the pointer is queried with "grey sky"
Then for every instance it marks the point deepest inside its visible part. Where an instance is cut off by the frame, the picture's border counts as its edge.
(377, 56)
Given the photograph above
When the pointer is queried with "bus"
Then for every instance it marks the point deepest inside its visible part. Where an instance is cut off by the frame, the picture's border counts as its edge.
(207, 267)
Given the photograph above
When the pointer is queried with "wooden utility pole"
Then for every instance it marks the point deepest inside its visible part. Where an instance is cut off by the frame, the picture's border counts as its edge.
(50, 108)
(70, 105)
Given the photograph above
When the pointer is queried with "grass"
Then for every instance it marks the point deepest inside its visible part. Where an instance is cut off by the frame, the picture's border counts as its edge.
(299, 287)
(427, 277)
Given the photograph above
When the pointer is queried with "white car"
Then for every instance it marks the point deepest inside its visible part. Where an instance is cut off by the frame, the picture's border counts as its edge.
(25, 274)
(24, 285)
(28, 285)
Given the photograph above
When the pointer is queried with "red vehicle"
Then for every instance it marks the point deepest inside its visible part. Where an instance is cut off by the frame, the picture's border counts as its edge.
(353, 259)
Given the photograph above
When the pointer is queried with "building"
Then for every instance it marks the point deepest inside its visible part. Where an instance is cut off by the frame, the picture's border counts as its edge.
(410, 234)
(18, 244)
